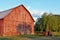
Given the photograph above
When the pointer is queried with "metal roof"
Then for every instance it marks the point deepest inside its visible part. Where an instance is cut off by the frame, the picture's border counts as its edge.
(4, 13)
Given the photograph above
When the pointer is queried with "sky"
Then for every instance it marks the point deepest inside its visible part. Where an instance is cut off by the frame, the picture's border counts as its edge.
(35, 7)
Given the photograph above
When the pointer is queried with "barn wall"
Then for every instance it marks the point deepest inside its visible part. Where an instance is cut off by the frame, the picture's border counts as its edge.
(27, 18)
(18, 17)
(1, 27)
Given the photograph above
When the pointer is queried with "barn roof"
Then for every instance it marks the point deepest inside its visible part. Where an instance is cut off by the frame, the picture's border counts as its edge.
(6, 12)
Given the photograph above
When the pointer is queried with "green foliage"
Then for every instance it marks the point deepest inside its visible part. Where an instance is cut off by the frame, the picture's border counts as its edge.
(48, 22)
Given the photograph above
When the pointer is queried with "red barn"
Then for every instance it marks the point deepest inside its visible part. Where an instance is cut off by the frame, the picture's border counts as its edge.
(16, 21)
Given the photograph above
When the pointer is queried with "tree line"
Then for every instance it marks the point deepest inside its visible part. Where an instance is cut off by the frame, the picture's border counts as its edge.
(48, 23)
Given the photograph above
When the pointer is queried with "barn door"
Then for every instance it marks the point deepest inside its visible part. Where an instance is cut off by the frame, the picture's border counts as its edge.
(20, 29)
(23, 29)
(27, 29)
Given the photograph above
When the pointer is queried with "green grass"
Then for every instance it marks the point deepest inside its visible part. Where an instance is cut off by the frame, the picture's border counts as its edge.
(26, 37)
(20, 37)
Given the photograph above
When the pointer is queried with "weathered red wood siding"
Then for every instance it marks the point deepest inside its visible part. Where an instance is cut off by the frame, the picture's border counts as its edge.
(18, 17)
(1, 27)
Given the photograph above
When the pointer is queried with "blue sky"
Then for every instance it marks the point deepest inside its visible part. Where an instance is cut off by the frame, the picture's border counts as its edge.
(36, 7)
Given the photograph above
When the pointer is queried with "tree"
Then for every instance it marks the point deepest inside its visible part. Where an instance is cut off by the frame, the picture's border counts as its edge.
(40, 23)
(37, 24)
(47, 23)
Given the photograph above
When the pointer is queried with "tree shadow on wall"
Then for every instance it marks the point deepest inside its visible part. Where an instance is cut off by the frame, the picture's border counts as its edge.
(24, 28)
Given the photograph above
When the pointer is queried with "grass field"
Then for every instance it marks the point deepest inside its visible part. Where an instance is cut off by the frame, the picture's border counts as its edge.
(29, 37)
(56, 36)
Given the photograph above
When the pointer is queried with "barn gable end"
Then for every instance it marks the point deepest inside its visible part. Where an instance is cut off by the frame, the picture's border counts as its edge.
(28, 13)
